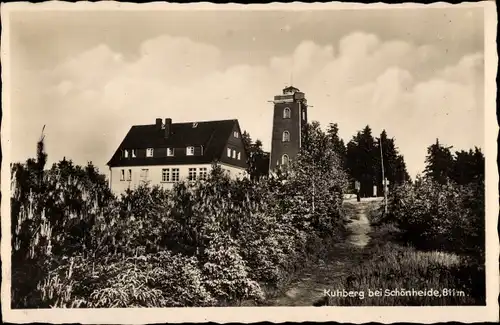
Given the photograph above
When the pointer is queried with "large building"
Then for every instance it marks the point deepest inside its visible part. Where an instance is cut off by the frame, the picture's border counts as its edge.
(165, 153)
(289, 122)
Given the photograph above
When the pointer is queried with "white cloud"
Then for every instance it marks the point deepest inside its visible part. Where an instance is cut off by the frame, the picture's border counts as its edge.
(94, 98)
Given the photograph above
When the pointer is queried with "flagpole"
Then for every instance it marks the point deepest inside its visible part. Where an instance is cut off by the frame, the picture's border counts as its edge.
(383, 175)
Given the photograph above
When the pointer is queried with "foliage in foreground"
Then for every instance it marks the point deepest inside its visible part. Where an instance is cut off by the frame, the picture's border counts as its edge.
(203, 243)
(444, 212)
(448, 217)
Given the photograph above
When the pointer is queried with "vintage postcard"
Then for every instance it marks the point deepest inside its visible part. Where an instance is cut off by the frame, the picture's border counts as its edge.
(248, 163)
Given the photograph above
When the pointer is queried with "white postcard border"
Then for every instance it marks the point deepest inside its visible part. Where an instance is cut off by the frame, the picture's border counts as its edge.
(490, 312)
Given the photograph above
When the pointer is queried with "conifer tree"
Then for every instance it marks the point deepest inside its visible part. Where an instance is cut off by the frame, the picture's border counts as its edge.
(361, 160)
(337, 143)
(257, 159)
(439, 163)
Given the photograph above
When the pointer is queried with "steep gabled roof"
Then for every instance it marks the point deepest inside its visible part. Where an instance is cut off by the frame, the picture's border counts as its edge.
(212, 135)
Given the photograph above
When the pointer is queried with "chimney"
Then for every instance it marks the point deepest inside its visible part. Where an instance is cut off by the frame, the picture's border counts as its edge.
(168, 127)
(158, 123)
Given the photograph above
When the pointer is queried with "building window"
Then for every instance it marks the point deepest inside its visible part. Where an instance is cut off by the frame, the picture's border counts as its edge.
(304, 115)
(144, 174)
(170, 152)
(286, 136)
(149, 152)
(134, 153)
(125, 153)
(203, 173)
(229, 152)
(190, 151)
(286, 113)
(175, 174)
(285, 159)
(234, 153)
(129, 175)
(192, 174)
(122, 175)
(165, 175)
(236, 134)
(239, 155)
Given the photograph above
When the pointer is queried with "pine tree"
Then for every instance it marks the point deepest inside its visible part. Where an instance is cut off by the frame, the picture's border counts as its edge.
(439, 163)
(257, 159)
(468, 166)
(394, 164)
(361, 161)
(247, 141)
(338, 144)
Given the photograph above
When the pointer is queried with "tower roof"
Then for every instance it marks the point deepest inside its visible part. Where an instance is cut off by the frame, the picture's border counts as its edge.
(290, 89)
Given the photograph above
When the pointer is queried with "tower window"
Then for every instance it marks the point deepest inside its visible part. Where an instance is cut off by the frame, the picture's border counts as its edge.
(236, 134)
(286, 113)
(190, 151)
(286, 136)
(149, 152)
(304, 115)
(285, 159)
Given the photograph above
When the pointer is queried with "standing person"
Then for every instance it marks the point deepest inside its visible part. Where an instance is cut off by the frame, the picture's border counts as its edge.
(357, 187)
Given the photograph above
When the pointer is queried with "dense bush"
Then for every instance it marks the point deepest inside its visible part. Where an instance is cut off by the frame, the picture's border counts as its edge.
(152, 280)
(445, 216)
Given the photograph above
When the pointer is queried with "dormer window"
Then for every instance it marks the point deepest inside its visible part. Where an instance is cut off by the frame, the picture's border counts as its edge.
(239, 155)
(236, 134)
(170, 152)
(234, 153)
(125, 153)
(149, 152)
(134, 153)
(190, 151)
(286, 136)
(229, 152)
(286, 112)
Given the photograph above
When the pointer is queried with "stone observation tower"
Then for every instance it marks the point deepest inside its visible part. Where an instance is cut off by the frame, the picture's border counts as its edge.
(289, 121)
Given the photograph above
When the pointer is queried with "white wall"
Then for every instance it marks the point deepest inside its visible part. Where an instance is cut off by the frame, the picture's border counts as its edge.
(155, 175)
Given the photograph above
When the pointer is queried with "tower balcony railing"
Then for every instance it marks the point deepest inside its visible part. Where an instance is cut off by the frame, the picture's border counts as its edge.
(288, 98)
(283, 98)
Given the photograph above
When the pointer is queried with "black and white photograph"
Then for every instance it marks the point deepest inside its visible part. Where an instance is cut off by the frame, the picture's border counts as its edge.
(307, 157)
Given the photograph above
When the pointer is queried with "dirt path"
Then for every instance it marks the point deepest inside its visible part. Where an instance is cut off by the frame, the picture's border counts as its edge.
(309, 287)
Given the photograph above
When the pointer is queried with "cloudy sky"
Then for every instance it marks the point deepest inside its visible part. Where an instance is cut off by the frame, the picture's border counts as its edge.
(89, 76)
